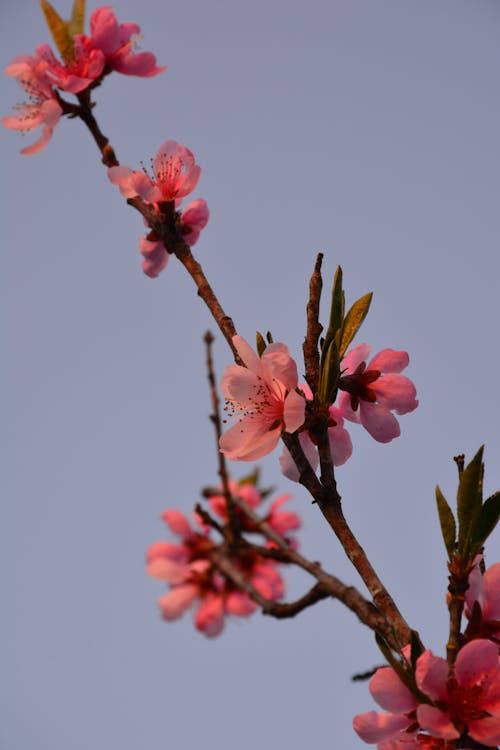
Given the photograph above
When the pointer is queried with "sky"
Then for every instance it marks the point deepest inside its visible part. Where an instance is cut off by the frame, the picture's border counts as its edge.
(365, 130)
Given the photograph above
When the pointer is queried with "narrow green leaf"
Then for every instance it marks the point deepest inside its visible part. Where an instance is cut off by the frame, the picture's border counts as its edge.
(336, 309)
(58, 28)
(353, 321)
(447, 522)
(329, 374)
(260, 343)
(77, 21)
(488, 519)
(469, 500)
(252, 478)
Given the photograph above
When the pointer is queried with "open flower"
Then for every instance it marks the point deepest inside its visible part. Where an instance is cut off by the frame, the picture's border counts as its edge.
(467, 702)
(262, 398)
(42, 108)
(117, 42)
(371, 392)
(79, 72)
(175, 175)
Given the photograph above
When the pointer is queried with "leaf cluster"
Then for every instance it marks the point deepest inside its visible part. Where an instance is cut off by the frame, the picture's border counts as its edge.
(63, 31)
(476, 519)
(341, 330)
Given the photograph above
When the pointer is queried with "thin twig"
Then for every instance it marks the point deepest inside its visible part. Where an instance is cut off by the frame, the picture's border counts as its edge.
(314, 328)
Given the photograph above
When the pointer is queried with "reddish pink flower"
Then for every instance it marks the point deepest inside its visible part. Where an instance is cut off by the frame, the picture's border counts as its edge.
(193, 578)
(193, 219)
(75, 75)
(484, 591)
(371, 392)
(42, 109)
(117, 43)
(175, 175)
(340, 443)
(263, 399)
(467, 702)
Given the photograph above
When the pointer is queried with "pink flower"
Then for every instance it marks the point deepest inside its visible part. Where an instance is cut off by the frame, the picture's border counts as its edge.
(117, 43)
(340, 442)
(175, 175)
(194, 580)
(467, 702)
(371, 392)
(484, 592)
(77, 74)
(262, 397)
(193, 219)
(43, 109)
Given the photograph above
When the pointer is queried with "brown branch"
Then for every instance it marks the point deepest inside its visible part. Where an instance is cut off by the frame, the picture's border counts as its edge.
(282, 610)
(314, 328)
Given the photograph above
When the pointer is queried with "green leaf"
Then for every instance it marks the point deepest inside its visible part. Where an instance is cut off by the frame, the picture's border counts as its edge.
(469, 501)
(329, 374)
(260, 343)
(77, 21)
(336, 310)
(59, 30)
(488, 519)
(252, 478)
(447, 522)
(353, 321)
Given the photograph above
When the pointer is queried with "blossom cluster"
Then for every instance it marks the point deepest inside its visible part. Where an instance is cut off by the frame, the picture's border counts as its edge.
(175, 175)
(265, 398)
(110, 47)
(450, 704)
(190, 567)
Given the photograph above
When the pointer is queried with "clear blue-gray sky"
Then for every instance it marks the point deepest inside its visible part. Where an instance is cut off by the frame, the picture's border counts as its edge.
(368, 130)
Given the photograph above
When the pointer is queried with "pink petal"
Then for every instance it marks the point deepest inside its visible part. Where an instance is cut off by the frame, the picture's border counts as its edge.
(486, 731)
(389, 360)
(174, 604)
(248, 440)
(395, 392)
(166, 570)
(121, 176)
(247, 354)
(141, 64)
(280, 366)
(437, 722)
(390, 692)
(491, 593)
(431, 675)
(210, 615)
(375, 727)
(380, 423)
(174, 552)
(239, 604)
(294, 411)
(287, 464)
(177, 522)
(354, 357)
(240, 385)
(345, 409)
(340, 440)
(104, 29)
(477, 662)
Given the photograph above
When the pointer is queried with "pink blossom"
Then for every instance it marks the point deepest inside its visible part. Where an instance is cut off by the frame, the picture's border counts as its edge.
(340, 442)
(175, 175)
(117, 43)
(42, 109)
(195, 581)
(78, 73)
(467, 702)
(471, 697)
(371, 392)
(193, 219)
(484, 591)
(263, 399)
(155, 257)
